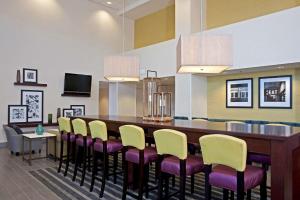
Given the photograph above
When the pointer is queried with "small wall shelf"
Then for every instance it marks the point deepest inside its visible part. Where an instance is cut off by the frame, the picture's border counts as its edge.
(31, 84)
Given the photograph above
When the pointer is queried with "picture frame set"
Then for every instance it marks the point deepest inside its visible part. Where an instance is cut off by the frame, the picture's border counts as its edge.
(74, 111)
(31, 109)
(274, 92)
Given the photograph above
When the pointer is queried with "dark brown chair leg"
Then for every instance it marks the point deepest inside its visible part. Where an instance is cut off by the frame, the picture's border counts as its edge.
(125, 171)
(182, 179)
(141, 174)
(173, 180)
(68, 156)
(146, 172)
(166, 185)
(73, 152)
(79, 149)
(94, 172)
(61, 154)
(89, 159)
(225, 194)
(231, 195)
(207, 185)
(105, 169)
(249, 194)
(263, 185)
(240, 185)
(192, 183)
(160, 178)
(115, 155)
(84, 162)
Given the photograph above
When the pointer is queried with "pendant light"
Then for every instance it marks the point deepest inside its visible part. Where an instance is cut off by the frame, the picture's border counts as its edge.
(204, 53)
(120, 68)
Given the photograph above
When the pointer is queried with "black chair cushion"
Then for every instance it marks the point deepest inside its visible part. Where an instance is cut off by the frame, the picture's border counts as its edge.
(17, 129)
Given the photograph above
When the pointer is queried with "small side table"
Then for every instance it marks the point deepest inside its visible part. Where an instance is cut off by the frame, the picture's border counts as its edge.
(34, 136)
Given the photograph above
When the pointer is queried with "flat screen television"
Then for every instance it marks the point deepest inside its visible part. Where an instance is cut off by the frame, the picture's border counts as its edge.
(77, 84)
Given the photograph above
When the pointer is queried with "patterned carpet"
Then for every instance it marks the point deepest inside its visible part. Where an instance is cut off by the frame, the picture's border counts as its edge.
(68, 190)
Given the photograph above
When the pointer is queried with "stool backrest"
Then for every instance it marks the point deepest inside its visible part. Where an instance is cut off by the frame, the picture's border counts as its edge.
(98, 130)
(64, 124)
(133, 136)
(171, 142)
(79, 127)
(225, 150)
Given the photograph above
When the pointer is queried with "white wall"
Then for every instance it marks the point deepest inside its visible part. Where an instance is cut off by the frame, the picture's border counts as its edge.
(55, 36)
(199, 96)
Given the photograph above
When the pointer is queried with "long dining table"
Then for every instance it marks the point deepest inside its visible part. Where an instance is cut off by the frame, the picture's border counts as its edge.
(281, 143)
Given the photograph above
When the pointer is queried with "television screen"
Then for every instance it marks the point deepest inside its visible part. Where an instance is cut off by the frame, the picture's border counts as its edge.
(77, 83)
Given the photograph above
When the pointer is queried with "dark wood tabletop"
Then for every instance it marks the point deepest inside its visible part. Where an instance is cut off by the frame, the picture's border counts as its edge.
(250, 130)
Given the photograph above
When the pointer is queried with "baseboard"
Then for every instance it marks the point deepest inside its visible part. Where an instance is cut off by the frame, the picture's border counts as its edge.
(3, 145)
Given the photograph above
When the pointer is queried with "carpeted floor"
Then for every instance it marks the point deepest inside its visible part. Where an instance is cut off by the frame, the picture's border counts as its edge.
(68, 190)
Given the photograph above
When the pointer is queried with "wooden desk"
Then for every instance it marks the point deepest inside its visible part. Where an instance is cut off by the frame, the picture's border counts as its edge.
(281, 143)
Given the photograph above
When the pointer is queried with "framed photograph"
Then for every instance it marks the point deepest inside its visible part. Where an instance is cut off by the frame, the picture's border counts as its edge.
(68, 112)
(239, 93)
(275, 92)
(17, 114)
(34, 99)
(30, 75)
(79, 110)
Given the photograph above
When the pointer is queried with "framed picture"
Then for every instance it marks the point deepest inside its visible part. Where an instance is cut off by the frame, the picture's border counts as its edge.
(239, 93)
(79, 110)
(68, 112)
(17, 114)
(275, 92)
(34, 99)
(30, 75)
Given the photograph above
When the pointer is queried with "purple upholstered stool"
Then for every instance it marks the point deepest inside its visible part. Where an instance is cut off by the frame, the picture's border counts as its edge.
(112, 146)
(150, 155)
(226, 177)
(259, 158)
(171, 165)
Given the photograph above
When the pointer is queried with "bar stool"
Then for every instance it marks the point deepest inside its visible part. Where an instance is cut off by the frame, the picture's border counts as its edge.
(135, 151)
(66, 136)
(83, 144)
(105, 147)
(231, 172)
(179, 163)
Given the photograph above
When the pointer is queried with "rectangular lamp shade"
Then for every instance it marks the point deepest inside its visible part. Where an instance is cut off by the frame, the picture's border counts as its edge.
(204, 53)
(121, 68)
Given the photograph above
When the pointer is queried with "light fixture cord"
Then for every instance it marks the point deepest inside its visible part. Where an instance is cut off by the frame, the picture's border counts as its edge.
(123, 27)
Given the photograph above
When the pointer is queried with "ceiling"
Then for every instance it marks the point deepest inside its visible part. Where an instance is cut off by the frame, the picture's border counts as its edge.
(135, 9)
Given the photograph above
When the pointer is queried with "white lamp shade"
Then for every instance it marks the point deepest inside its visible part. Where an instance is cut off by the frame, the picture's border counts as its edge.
(204, 53)
(121, 68)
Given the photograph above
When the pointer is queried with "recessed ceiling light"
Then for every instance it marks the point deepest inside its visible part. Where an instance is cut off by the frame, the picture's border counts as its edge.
(109, 2)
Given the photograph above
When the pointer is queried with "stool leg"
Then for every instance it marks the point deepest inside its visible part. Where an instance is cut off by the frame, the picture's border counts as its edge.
(94, 172)
(192, 183)
(146, 172)
(160, 185)
(141, 181)
(105, 168)
(73, 152)
(68, 157)
(182, 179)
(115, 155)
(89, 159)
(249, 194)
(173, 180)
(125, 178)
(225, 194)
(76, 163)
(231, 195)
(263, 185)
(207, 185)
(84, 165)
(61, 154)
(167, 186)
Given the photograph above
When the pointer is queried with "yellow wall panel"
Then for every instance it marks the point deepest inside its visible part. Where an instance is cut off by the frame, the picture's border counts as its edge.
(224, 12)
(154, 28)
(216, 94)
